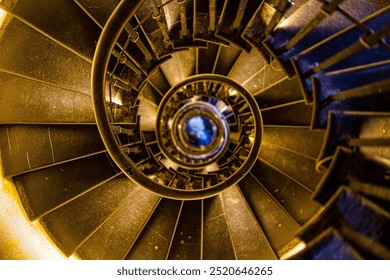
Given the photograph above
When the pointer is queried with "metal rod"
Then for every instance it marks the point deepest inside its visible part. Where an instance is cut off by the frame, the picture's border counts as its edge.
(135, 38)
(183, 18)
(240, 14)
(212, 15)
(158, 18)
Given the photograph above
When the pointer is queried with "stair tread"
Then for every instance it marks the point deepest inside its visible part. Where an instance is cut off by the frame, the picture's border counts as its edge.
(365, 217)
(300, 140)
(249, 242)
(296, 166)
(308, 60)
(230, 27)
(226, 60)
(61, 28)
(343, 127)
(330, 245)
(114, 239)
(159, 81)
(151, 94)
(100, 9)
(368, 98)
(186, 243)
(283, 115)
(350, 166)
(46, 189)
(349, 209)
(327, 27)
(173, 15)
(202, 21)
(284, 91)
(264, 20)
(147, 113)
(36, 102)
(73, 223)
(155, 240)
(276, 223)
(217, 240)
(42, 59)
(291, 195)
(334, 82)
(207, 58)
(185, 61)
(247, 65)
(28, 147)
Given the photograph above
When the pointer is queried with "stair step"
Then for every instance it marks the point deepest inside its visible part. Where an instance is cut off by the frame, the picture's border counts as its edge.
(365, 217)
(341, 51)
(276, 222)
(296, 166)
(147, 113)
(156, 238)
(247, 67)
(347, 167)
(98, 10)
(356, 129)
(250, 242)
(264, 20)
(45, 189)
(335, 82)
(28, 53)
(291, 195)
(36, 102)
(284, 91)
(73, 30)
(329, 245)
(217, 240)
(368, 248)
(159, 82)
(186, 244)
(206, 15)
(155, 28)
(235, 16)
(141, 54)
(206, 58)
(226, 60)
(379, 194)
(179, 17)
(354, 211)
(299, 140)
(185, 61)
(114, 239)
(309, 25)
(151, 94)
(70, 225)
(29, 147)
(368, 98)
(266, 76)
(292, 114)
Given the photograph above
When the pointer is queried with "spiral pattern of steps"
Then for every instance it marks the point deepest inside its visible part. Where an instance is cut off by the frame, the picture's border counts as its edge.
(188, 129)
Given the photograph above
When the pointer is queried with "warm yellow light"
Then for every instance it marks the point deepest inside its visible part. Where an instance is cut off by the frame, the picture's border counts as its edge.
(3, 14)
(117, 100)
(20, 238)
(232, 92)
(252, 138)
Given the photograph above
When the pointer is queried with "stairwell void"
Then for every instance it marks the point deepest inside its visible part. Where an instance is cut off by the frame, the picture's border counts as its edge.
(192, 129)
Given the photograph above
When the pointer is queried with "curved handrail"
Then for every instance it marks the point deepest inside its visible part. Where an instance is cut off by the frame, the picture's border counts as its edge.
(111, 32)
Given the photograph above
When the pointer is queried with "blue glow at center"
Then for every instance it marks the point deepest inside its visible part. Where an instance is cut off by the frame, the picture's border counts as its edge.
(200, 131)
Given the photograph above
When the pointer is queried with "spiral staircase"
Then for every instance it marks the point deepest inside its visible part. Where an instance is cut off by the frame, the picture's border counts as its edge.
(189, 129)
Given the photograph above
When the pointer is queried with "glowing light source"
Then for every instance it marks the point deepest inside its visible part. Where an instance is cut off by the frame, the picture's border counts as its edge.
(3, 14)
(232, 92)
(20, 238)
(117, 100)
